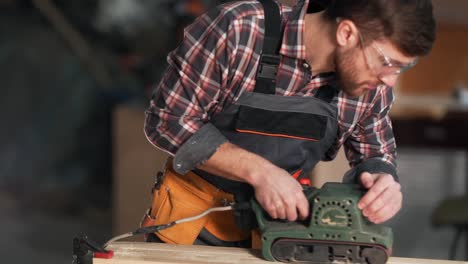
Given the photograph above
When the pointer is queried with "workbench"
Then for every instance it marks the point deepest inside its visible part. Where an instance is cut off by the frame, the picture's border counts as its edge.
(156, 253)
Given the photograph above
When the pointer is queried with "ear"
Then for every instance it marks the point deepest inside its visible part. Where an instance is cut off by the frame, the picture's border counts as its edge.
(347, 34)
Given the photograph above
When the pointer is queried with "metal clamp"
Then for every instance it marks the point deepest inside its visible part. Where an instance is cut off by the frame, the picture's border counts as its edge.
(84, 250)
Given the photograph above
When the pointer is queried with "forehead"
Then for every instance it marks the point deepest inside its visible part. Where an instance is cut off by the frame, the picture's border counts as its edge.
(390, 50)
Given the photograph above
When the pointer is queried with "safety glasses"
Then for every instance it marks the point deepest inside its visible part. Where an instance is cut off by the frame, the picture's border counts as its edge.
(381, 64)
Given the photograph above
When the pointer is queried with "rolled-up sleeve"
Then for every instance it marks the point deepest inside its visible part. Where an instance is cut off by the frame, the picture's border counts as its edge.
(190, 92)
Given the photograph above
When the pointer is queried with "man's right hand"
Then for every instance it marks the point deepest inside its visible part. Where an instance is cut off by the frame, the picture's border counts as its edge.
(281, 195)
(275, 189)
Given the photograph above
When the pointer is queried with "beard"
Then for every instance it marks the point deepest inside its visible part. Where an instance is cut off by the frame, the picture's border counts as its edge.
(347, 70)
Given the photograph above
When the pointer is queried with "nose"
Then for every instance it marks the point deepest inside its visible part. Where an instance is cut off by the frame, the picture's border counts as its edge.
(389, 80)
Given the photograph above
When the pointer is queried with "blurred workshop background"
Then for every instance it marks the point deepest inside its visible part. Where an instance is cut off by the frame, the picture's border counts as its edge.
(76, 78)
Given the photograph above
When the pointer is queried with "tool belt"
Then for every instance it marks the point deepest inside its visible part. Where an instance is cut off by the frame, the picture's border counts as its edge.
(180, 196)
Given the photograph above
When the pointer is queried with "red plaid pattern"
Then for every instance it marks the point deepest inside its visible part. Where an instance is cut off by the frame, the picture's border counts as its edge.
(217, 61)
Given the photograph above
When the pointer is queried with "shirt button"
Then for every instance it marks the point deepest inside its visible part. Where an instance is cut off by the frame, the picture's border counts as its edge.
(306, 65)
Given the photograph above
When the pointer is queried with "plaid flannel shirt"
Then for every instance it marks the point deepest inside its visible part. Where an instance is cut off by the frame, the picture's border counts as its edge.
(217, 60)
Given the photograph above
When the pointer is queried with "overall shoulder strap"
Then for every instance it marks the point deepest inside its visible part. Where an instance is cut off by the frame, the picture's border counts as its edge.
(269, 58)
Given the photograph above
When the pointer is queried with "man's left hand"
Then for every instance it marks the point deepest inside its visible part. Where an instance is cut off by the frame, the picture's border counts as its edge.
(383, 198)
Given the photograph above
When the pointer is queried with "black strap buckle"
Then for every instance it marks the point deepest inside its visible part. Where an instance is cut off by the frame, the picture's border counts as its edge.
(268, 66)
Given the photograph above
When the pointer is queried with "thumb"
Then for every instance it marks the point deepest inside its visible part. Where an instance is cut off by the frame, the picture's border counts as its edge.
(367, 180)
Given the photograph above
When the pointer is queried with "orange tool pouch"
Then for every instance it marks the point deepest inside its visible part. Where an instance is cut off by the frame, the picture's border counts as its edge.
(181, 196)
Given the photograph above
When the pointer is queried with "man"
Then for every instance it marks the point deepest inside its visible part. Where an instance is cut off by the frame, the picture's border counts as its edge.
(250, 98)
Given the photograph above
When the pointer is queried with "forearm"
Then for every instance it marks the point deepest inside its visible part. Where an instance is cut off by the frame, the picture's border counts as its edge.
(235, 163)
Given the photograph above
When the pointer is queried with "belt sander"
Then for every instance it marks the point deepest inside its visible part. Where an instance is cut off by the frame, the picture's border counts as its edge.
(335, 231)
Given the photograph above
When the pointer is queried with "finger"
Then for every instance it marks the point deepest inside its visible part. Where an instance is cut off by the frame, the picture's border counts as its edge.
(386, 212)
(367, 180)
(281, 211)
(389, 210)
(271, 210)
(383, 215)
(373, 207)
(302, 206)
(291, 211)
(377, 188)
(269, 204)
(384, 198)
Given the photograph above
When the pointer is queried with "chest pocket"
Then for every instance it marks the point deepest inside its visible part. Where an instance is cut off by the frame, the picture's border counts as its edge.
(283, 124)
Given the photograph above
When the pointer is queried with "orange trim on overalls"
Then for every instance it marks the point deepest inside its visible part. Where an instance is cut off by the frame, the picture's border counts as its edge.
(274, 135)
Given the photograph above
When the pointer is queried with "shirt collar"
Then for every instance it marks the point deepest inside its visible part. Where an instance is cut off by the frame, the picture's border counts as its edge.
(293, 37)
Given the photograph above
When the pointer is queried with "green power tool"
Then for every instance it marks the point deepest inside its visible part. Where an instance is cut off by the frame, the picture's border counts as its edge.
(336, 230)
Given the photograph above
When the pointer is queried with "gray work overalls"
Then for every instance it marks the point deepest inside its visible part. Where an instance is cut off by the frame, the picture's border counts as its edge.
(292, 132)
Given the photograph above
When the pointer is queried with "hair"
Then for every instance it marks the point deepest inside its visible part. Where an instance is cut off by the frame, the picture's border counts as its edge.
(408, 24)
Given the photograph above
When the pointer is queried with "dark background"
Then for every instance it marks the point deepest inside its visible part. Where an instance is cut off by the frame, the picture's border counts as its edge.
(62, 78)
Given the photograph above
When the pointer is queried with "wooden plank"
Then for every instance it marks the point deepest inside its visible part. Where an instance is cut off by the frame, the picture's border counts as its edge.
(155, 253)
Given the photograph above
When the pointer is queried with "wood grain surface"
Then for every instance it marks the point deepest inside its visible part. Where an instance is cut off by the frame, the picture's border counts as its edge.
(154, 253)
